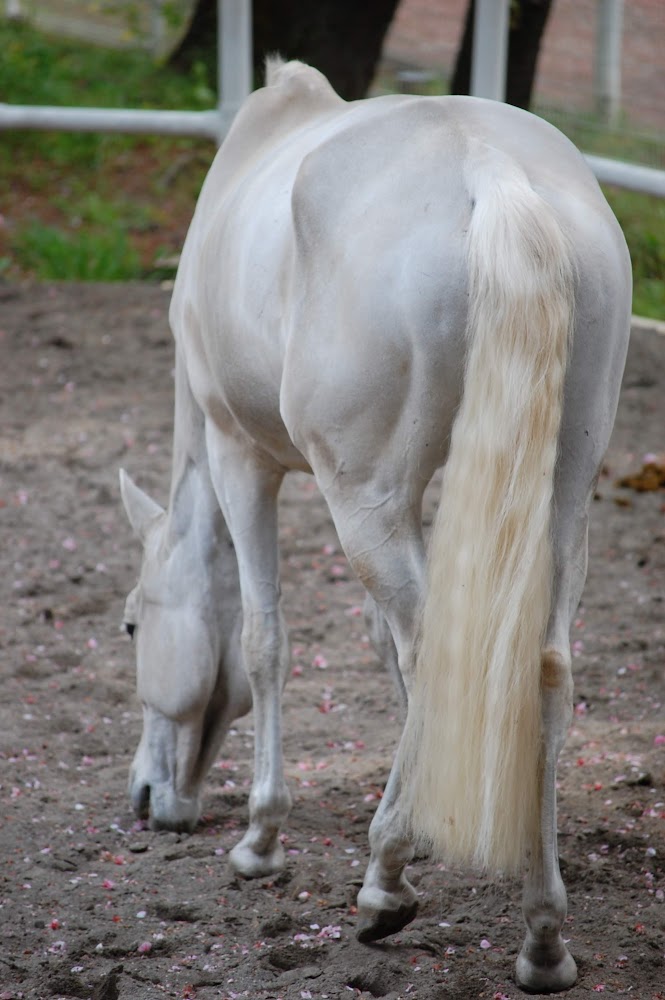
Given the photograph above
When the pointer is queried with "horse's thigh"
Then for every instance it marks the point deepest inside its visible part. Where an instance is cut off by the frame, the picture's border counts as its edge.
(382, 539)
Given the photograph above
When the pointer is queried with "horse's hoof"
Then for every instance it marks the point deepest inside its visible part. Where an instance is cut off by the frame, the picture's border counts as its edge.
(546, 978)
(382, 913)
(246, 862)
(374, 925)
(167, 809)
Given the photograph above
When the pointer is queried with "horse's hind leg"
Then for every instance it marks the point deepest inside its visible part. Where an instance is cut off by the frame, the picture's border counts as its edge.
(387, 901)
(247, 494)
(383, 542)
(544, 963)
(384, 645)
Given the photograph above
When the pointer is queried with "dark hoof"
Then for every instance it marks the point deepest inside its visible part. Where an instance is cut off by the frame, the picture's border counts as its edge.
(384, 924)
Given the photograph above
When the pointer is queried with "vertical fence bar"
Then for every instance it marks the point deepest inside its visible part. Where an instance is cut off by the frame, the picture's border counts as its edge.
(234, 57)
(490, 49)
(607, 69)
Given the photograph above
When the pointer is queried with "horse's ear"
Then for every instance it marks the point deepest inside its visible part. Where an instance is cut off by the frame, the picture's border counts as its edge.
(141, 509)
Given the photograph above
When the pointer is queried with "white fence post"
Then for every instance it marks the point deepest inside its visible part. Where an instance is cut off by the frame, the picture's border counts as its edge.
(234, 58)
(490, 49)
(235, 83)
(607, 68)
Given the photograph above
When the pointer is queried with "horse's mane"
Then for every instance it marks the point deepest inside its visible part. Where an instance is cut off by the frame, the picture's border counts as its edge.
(278, 70)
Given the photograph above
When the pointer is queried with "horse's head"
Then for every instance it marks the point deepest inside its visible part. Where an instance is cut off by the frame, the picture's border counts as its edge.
(184, 615)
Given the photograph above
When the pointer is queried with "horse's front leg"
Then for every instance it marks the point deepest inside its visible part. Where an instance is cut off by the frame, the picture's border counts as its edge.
(544, 963)
(247, 494)
(266, 655)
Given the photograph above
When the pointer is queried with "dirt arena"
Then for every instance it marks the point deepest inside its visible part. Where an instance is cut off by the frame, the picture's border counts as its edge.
(93, 904)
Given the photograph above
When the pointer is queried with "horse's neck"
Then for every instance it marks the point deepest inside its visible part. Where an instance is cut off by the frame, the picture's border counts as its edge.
(189, 447)
(193, 508)
(195, 523)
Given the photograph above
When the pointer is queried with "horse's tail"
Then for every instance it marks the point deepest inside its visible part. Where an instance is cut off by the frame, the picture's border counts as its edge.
(471, 752)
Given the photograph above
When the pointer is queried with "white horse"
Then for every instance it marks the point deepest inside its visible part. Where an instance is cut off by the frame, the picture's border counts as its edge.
(368, 291)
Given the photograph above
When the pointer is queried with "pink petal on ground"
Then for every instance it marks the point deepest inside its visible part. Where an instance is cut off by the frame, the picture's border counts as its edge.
(330, 931)
(355, 611)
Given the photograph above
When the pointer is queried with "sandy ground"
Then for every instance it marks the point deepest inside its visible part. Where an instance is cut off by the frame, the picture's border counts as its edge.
(92, 904)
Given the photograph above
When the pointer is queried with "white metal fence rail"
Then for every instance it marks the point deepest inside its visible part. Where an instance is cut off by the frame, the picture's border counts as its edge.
(488, 75)
(234, 79)
(235, 83)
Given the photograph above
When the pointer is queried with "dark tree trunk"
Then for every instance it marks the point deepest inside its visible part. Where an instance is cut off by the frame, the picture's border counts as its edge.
(527, 24)
(342, 38)
(199, 41)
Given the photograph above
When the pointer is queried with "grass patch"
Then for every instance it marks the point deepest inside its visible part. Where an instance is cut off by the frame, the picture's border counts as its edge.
(592, 136)
(642, 219)
(107, 207)
(50, 254)
(72, 202)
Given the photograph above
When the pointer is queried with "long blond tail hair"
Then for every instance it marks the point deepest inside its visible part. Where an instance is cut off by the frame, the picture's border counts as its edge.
(471, 753)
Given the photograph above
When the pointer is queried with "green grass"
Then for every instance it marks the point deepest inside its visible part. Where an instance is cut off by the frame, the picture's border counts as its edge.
(51, 254)
(642, 219)
(104, 207)
(92, 205)
(621, 142)
(36, 69)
